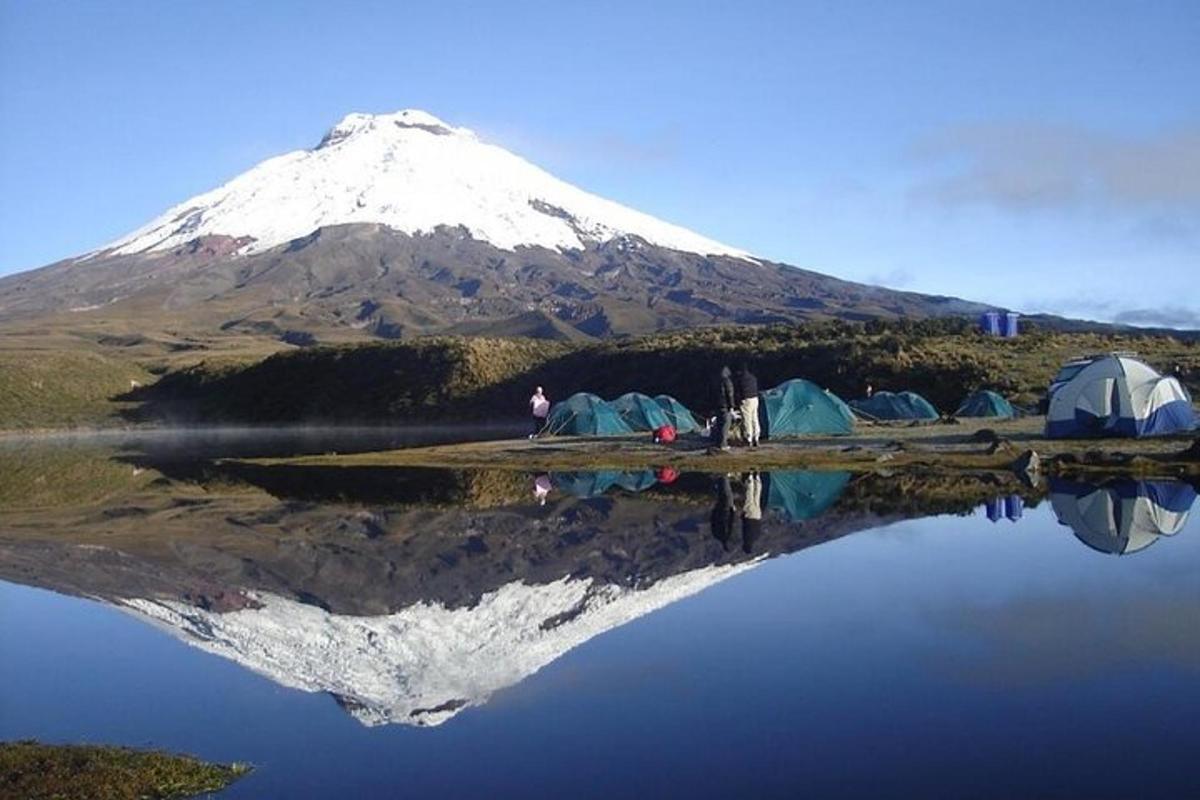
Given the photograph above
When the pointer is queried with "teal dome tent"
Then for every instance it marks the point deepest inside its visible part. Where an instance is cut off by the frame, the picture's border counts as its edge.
(798, 407)
(585, 414)
(888, 406)
(640, 412)
(985, 403)
(802, 495)
(677, 413)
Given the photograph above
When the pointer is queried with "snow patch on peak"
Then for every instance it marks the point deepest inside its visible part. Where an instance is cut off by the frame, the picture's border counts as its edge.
(409, 119)
(413, 173)
(423, 664)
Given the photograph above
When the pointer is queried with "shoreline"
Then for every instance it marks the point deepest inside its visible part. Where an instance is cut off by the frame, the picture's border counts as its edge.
(246, 429)
(968, 446)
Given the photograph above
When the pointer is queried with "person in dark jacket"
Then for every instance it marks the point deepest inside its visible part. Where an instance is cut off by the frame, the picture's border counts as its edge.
(726, 403)
(746, 389)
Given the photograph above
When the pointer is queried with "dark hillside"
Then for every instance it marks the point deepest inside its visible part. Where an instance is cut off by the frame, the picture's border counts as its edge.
(474, 378)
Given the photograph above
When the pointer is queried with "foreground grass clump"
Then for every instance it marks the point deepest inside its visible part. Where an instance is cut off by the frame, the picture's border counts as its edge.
(32, 771)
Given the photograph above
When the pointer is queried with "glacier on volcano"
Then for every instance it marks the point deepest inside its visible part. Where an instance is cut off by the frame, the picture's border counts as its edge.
(413, 173)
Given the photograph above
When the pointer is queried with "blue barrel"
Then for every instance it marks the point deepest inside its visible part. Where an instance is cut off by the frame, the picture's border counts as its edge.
(994, 509)
(1011, 321)
(1014, 507)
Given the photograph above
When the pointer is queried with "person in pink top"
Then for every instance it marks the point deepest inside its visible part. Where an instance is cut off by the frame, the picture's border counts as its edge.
(539, 406)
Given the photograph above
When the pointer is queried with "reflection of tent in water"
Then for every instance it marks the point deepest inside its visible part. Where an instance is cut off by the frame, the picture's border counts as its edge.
(985, 403)
(677, 413)
(895, 406)
(640, 412)
(802, 494)
(1122, 516)
(798, 406)
(585, 414)
(594, 483)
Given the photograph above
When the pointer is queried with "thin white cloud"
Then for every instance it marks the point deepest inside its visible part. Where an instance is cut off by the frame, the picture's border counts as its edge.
(1031, 166)
(1175, 316)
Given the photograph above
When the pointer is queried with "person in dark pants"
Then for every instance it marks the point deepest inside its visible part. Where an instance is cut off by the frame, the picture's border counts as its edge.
(723, 513)
(726, 403)
(746, 391)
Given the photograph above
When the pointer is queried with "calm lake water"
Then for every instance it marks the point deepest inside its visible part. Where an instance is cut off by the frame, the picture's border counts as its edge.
(398, 632)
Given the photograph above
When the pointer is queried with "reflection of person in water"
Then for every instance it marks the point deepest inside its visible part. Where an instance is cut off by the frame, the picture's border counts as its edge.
(541, 488)
(723, 512)
(751, 511)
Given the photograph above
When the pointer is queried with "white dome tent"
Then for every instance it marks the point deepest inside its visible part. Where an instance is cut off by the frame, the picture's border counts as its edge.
(1116, 395)
(1122, 516)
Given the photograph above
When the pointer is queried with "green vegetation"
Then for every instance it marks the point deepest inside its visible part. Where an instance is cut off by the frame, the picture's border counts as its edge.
(62, 388)
(477, 378)
(32, 771)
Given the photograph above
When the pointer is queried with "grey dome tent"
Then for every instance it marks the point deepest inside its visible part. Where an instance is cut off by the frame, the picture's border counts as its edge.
(1116, 395)
(640, 412)
(585, 414)
(889, 406)
(678, 414)
(985, 403)
(798, 407)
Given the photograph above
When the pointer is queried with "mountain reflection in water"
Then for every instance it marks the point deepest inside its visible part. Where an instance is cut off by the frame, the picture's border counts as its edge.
(412, 594)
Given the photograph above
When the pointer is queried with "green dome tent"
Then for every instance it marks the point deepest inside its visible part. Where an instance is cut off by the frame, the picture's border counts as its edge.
(895, 406)
(798, 406)
(678, 414)
(802, 495)
(985, 403)
(585, 414)
(640, 412)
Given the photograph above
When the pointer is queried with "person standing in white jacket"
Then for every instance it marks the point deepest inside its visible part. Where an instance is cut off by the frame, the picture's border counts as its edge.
(539, 407)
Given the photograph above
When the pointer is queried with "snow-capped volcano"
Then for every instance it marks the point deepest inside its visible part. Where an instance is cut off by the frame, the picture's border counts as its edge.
(399, 225)
(413, 173)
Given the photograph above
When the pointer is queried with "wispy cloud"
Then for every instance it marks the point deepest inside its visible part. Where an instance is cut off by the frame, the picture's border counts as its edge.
(1167, 316)
(1028, 167)
(897, 278)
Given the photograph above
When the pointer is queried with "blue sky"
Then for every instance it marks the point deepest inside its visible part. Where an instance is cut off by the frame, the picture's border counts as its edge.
(1044, 156)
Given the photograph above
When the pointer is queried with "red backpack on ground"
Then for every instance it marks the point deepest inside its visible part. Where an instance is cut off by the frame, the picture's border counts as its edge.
(664, 434)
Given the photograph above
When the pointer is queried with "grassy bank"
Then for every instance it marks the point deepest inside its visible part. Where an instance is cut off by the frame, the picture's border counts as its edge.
(34, 771)
(457, 378)
(51, 388)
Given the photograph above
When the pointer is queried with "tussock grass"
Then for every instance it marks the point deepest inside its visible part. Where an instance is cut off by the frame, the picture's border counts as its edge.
(33, 771)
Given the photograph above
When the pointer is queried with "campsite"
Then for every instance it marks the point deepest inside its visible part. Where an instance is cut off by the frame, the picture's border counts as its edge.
(1107, 413)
